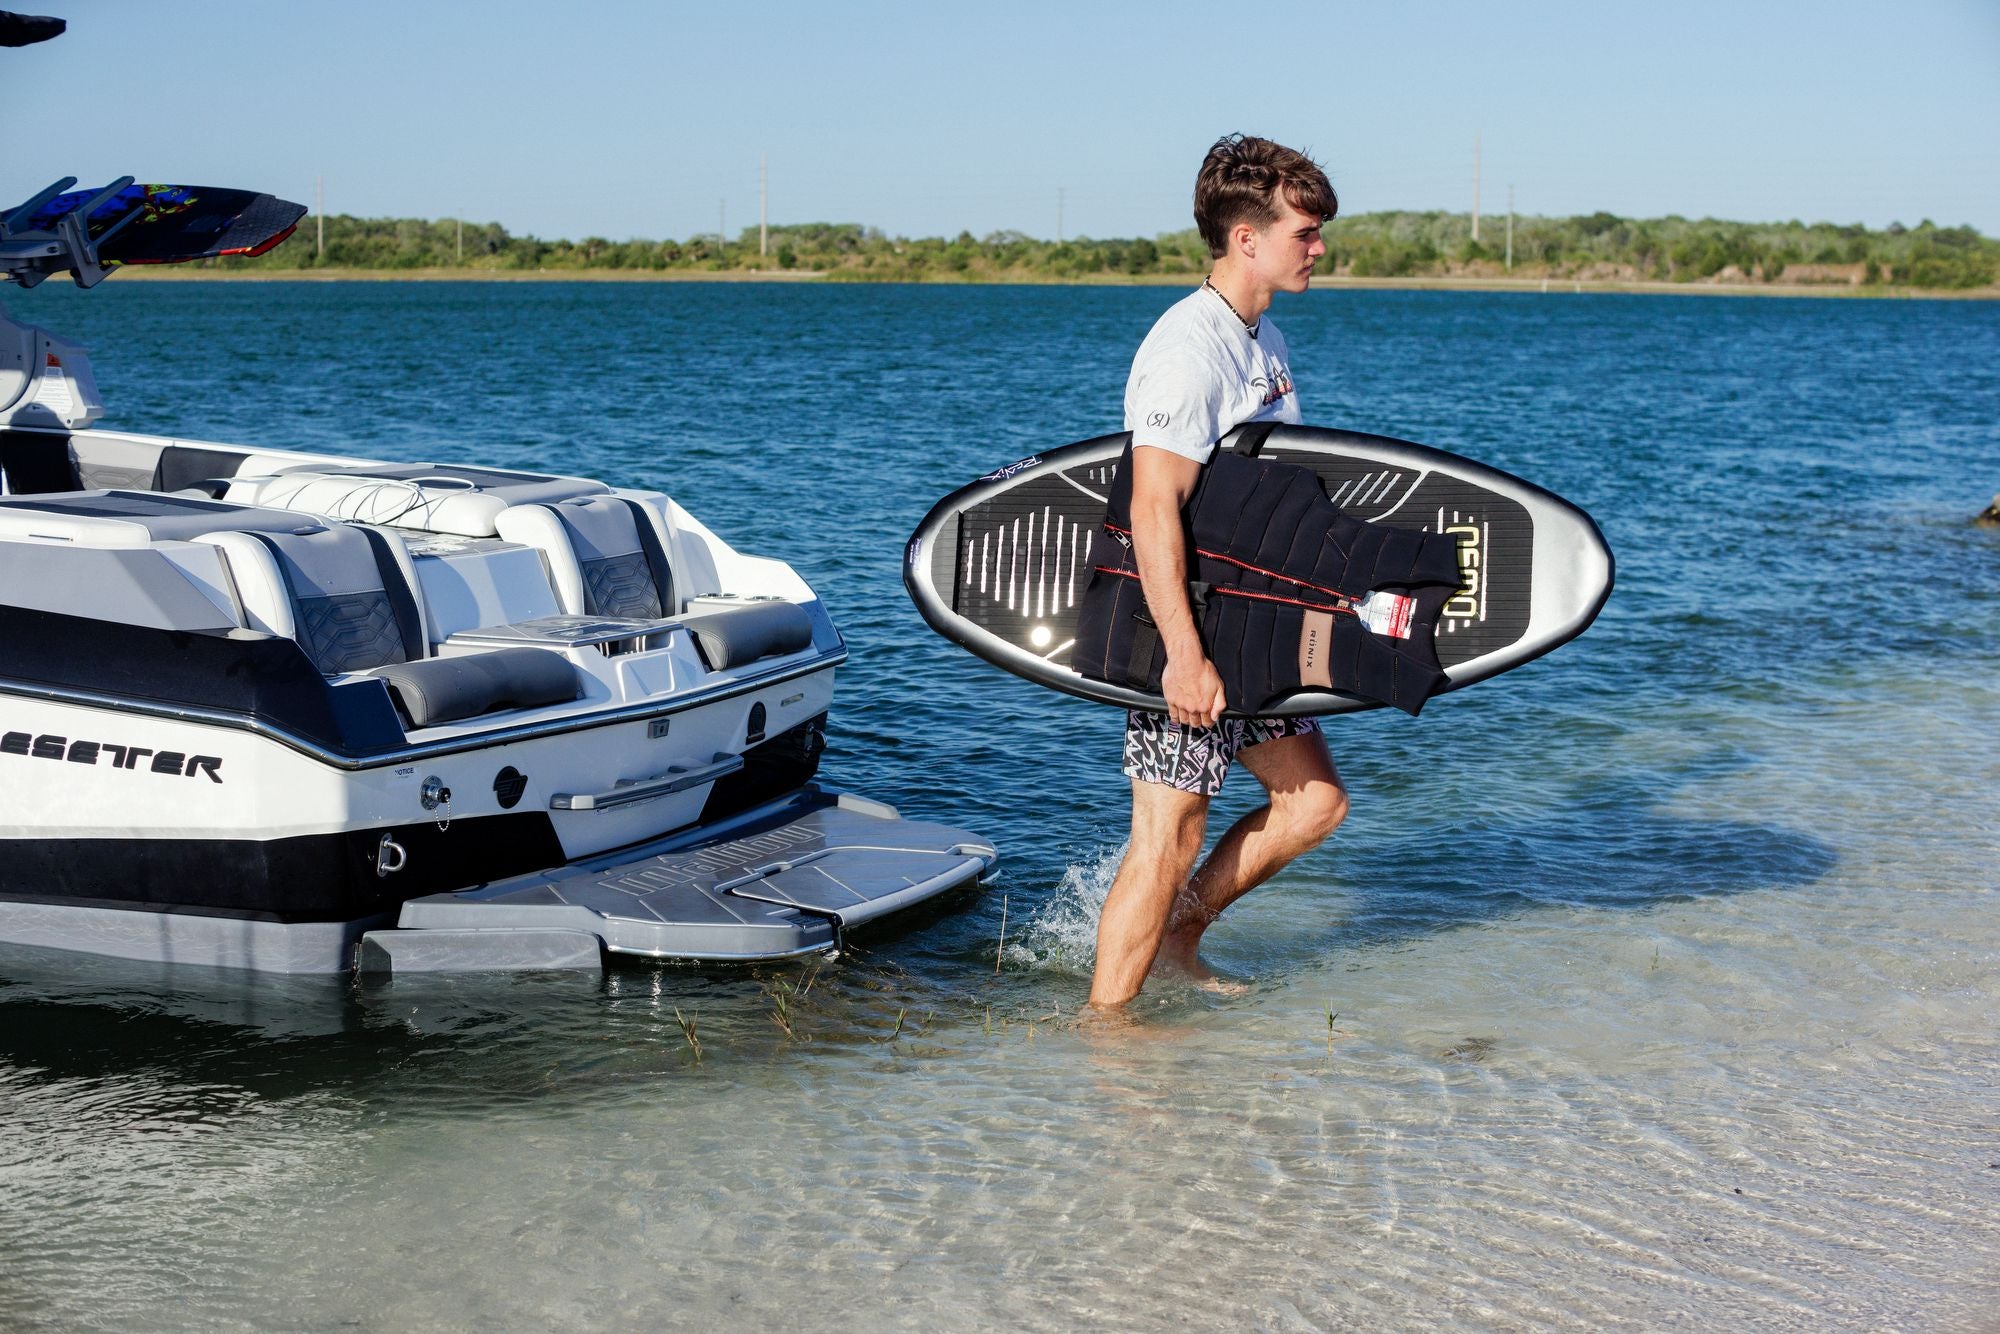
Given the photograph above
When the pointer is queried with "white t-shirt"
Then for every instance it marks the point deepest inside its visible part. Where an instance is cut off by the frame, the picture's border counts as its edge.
(1199, 374)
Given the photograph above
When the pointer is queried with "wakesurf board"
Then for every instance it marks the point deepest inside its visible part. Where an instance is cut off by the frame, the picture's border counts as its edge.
(999, 566)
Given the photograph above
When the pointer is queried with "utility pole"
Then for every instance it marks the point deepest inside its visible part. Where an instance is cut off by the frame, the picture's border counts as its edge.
(763, 205)
(1059, 204)
(1510, 229)
(319, 207)
(461, 239)
(721, 222)
(1475, 185)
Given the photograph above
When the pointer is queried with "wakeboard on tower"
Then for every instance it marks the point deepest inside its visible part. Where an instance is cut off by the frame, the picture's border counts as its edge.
(126, 222)
(27, 29)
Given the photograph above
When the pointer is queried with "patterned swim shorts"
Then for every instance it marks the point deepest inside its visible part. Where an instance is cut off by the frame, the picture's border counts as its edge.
(1197, 759)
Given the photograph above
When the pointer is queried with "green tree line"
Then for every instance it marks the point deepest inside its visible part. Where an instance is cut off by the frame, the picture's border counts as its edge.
(1388, 245)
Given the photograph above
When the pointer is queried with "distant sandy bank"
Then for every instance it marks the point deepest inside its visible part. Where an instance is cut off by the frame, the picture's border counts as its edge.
(1551, 286)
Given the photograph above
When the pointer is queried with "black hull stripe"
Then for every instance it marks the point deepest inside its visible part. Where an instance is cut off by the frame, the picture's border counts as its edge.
(308, 878)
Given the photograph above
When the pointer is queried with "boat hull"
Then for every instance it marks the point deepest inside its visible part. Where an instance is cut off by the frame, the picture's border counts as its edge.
(268, 833)
(786, 878)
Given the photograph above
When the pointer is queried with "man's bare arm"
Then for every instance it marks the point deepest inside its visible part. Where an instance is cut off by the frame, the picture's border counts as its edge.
(1161, 483)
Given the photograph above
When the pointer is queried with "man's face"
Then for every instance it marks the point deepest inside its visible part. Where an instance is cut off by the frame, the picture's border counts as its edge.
(1286, 250)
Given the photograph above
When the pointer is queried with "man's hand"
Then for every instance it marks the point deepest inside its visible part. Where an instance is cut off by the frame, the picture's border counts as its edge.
(1194, 691)
(1161, 484)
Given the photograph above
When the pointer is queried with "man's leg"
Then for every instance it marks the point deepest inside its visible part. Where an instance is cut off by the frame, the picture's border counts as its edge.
(1307, 803)
(1167, 826)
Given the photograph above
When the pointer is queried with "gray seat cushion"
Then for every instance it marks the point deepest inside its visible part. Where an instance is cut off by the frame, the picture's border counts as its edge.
(744, 634)
(443, 690)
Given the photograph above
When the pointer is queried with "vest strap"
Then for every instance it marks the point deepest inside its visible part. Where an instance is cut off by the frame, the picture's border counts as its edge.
(1145, 645)
(1148, 658)
(1249, 440)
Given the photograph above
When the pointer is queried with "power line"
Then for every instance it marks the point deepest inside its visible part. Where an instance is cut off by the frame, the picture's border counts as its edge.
(1475, 186)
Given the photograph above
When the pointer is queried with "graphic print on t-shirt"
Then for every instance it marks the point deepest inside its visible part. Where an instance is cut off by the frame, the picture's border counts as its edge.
(1275, 387)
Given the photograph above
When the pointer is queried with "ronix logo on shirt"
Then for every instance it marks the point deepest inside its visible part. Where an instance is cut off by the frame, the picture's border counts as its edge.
(1274, 389)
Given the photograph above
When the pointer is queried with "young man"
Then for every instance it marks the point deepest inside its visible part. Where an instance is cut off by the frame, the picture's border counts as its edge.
(1212, 362)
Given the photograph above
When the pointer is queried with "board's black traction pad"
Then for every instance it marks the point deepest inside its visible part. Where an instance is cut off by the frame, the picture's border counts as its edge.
(1017, 563)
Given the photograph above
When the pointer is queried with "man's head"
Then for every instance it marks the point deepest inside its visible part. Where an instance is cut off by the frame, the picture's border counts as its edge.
(1248, 182)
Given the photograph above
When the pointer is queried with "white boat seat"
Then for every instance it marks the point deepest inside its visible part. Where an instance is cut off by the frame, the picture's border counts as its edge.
(437, 498)
(604, 555)
(344, 593)
(443, 690)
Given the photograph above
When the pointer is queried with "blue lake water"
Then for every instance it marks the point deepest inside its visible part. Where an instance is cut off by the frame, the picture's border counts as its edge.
(1664, 971)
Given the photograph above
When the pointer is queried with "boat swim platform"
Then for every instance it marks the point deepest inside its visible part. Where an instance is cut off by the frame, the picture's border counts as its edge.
(776, 883)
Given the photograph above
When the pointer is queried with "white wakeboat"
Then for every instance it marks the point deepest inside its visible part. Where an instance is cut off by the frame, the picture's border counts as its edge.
(310, 713)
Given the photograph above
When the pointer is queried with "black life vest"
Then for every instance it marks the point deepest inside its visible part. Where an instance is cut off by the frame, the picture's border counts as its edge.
(1280, 583)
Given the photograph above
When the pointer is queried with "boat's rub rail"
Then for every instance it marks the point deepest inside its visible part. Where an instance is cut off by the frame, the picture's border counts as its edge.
(457, 744)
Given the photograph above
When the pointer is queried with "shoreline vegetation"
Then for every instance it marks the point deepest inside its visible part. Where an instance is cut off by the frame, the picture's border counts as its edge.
(1415, 250)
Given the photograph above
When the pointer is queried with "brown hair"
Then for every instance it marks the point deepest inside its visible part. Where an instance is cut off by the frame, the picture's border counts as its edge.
(1240, 180)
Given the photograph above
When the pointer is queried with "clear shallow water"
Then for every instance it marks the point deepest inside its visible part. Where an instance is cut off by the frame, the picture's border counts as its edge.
(1702, 904)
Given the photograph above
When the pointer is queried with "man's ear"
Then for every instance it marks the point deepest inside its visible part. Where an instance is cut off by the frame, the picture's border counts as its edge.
(1245, 237)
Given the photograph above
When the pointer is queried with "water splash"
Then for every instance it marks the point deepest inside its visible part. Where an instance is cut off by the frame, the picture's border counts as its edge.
(1062, 933)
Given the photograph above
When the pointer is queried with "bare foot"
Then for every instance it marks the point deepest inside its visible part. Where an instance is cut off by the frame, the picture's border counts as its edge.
(1118, 1025)
(1095, 1020)
(1179, 959)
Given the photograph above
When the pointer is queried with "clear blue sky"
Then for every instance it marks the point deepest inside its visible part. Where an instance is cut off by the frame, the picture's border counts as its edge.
(625, 119)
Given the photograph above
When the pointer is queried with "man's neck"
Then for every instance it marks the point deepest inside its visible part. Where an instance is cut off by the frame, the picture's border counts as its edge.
(1245, 294)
